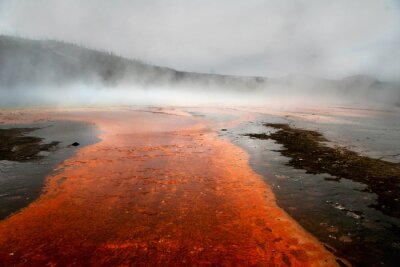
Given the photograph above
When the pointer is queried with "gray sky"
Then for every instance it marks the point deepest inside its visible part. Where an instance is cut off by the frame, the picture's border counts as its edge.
(248, 37)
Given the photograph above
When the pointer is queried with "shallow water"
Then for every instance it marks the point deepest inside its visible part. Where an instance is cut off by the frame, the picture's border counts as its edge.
(22, 182)
(376, 135)
(158, 190)
(337, 212)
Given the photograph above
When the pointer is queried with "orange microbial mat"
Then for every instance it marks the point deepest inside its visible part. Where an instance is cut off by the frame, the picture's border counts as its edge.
(157, 190)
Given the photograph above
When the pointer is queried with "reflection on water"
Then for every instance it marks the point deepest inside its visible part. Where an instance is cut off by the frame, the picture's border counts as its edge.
(339, 213)
(22, 182)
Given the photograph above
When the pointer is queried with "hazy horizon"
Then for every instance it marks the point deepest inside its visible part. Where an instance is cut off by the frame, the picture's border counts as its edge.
(273, 39)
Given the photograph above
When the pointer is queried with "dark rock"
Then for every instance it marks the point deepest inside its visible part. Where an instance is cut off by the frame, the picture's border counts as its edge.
(15, 145)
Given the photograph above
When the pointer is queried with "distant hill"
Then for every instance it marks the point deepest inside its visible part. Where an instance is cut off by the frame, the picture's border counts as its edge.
(34, 64)
(47, 62)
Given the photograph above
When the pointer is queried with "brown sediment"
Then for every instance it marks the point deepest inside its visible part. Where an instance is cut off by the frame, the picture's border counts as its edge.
(306, 152)
(157, 190)
(15, 145)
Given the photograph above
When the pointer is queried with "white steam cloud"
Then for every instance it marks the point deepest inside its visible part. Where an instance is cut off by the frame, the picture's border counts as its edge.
(332, 39)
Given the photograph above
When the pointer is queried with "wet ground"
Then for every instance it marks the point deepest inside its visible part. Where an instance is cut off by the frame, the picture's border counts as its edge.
(17, 145)
(166, 186)
(309, 151)
(40, 147)
(160, 189)
(341, 213)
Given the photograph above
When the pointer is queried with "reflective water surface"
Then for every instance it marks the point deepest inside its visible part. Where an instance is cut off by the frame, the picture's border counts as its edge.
(339, 213)
(22, 182)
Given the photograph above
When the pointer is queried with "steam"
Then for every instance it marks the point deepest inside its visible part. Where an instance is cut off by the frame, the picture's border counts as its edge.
(84, 95)
(267, 41)
(276, 95)
(331, 39)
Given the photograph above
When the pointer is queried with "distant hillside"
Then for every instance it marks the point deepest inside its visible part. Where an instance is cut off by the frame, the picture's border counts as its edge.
(31, 62)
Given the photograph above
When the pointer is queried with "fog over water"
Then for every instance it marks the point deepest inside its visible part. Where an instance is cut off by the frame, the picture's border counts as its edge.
(83, 95)
(306, 51)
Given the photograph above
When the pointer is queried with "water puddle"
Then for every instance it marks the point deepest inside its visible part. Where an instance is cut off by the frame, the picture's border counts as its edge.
(22, 182)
